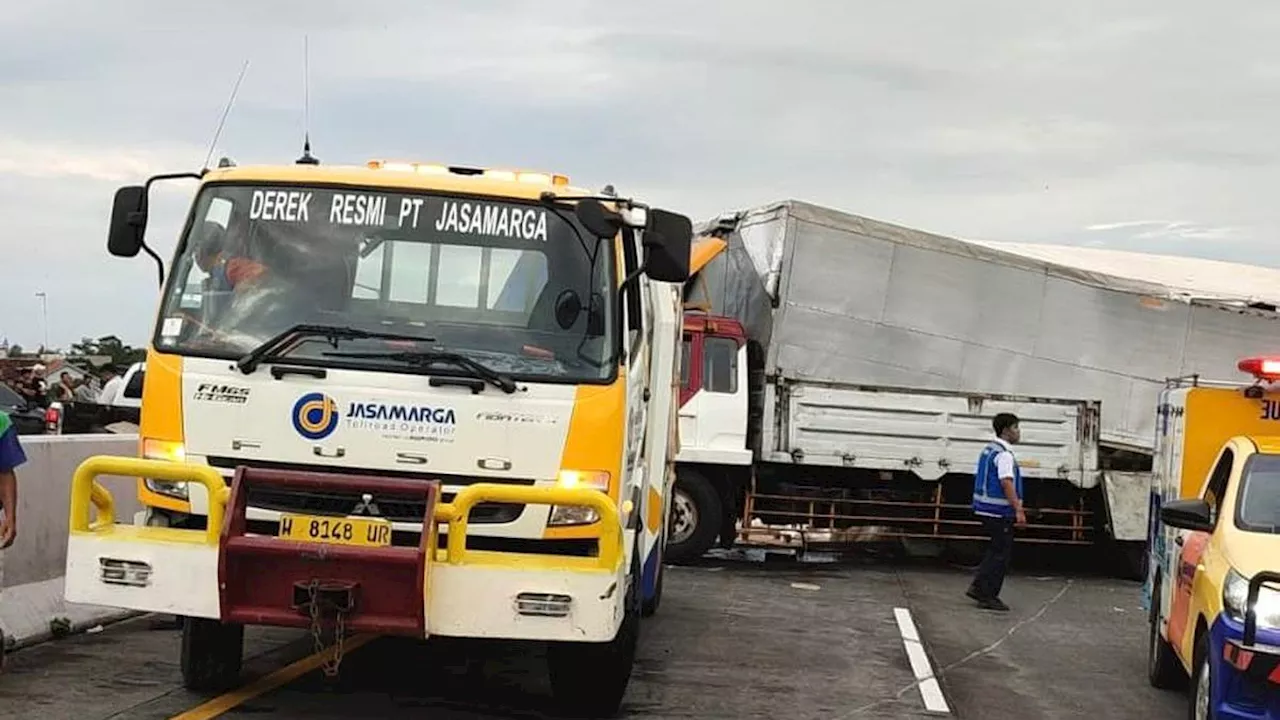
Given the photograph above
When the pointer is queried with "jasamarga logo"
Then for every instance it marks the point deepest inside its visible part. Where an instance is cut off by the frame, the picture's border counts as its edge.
(406, 421)
(402, 413)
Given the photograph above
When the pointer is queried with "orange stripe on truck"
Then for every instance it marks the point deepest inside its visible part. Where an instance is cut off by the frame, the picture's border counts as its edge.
(161, 417)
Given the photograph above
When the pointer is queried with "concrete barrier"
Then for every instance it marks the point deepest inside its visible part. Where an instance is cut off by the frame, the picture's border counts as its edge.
(31, 604)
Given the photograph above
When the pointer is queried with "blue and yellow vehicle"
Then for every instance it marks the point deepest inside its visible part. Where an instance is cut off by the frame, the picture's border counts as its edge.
(1213, 582)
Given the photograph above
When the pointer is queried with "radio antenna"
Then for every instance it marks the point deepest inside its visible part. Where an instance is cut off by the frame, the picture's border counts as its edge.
(235, 89)
(307, 158)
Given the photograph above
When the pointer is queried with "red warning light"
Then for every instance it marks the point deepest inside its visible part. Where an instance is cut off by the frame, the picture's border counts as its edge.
(1261, 368)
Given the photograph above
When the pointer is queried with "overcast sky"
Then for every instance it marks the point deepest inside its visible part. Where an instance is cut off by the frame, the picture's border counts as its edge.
(1138, 125)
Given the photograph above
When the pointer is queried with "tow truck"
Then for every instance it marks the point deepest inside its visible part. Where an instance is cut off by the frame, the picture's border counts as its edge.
(1213, 588)
(403, 399)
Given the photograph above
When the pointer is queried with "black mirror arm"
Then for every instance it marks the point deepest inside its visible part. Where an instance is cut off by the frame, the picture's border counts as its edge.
(138, 218)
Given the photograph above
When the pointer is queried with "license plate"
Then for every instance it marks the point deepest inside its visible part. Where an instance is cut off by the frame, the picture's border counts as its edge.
(364, 532)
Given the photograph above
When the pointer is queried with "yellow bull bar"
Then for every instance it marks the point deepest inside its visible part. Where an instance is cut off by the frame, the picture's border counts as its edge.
(87, 492)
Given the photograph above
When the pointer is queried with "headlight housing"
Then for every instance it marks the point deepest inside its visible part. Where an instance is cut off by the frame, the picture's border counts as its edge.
(562, 515)
(153, 449)
(1235, 592)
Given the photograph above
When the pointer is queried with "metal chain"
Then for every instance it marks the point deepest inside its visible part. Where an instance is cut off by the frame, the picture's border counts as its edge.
(329, 665)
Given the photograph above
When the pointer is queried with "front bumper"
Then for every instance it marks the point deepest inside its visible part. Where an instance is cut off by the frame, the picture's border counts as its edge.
(1247, 675)
(228, 573)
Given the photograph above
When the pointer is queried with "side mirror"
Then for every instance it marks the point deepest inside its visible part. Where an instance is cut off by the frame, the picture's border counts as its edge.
(667, 239)
(599, 220)
(1190, 514)
(567, 308)
(128, 221)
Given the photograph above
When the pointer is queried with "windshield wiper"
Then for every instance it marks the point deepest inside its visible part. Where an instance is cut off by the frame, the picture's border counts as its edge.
(333, 333)
(428, 358)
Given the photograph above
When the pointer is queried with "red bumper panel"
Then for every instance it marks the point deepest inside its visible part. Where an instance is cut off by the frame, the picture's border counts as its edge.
(266, 580)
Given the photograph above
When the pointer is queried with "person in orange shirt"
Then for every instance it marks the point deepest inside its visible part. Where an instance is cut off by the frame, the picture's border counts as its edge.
(226, 270)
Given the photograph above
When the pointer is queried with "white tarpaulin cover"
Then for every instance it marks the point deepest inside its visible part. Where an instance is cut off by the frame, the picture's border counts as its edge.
(841, 298)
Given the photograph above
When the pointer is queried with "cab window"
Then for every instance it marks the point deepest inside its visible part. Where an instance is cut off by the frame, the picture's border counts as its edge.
(1258, 504)
(133, 388)
(1217, 485)
(720, 365)
(686, 356)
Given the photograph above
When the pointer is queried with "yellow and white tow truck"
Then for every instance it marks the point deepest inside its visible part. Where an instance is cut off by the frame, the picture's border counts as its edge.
(399, 399)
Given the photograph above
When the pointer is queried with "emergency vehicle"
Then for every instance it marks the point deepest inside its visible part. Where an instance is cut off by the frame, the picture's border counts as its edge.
(399, 399)
(1213, 587)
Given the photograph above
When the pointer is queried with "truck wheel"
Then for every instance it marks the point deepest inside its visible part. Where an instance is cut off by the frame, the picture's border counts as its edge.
(1163, 670)
(1200, 699)
(695, 519)
(211, 654)
(589, 680)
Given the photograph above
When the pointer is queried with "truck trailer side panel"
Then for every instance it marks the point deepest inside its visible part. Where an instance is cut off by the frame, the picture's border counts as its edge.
(931, 433)
(835, 297)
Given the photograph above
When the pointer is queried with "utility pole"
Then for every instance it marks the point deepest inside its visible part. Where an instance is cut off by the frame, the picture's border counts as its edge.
(44, 317)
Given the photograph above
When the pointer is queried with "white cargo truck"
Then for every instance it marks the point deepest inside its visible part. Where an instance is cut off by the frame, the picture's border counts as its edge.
(841, 375)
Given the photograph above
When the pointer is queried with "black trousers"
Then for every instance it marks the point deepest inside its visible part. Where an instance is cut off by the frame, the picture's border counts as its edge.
(995, 563)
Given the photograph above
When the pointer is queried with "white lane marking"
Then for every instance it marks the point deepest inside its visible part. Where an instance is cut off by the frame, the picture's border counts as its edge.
(805, 586)
(930, 690)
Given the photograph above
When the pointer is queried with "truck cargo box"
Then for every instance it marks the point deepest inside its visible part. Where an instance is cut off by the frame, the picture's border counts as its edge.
(832, 297)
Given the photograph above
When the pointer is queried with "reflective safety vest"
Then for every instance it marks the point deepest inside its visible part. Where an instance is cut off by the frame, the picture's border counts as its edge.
(988, 494)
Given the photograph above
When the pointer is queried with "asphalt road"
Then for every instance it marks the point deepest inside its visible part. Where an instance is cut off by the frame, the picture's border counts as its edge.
(732, 640)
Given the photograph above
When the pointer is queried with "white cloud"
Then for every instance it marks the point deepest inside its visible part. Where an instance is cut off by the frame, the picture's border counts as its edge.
(1146, 125)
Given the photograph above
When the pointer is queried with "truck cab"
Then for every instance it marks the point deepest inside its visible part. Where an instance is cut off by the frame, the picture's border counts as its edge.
(1214, 582)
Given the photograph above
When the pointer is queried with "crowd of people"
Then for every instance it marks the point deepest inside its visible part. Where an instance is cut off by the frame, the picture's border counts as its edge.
(34, 387)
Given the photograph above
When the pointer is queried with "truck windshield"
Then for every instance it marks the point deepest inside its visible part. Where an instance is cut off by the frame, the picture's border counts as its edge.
(477, 276)
(1258, 507)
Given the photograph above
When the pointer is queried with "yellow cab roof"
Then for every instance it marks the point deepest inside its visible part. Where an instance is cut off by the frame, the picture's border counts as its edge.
(1266, 444)
(362, 176)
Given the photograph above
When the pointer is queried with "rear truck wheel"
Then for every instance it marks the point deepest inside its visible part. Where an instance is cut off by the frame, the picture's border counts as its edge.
(211, 654)
(695, 517)
(589, 680)
(1163, 670)
(1200, 704)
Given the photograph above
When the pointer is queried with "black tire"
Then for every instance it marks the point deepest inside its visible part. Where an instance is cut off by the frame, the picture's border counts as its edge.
(211, 654)
(589, 680)
(650, 607)
(694, 492)
(1163, 669)
(1201, 667)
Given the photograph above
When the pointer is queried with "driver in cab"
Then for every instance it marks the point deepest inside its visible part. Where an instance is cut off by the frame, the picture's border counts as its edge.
(227, 269)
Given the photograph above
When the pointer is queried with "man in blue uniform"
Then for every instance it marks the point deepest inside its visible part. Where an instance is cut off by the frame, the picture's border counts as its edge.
(11, 456)
(997, 501)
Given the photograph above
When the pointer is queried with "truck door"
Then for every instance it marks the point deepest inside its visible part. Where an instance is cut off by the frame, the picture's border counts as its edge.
(1189, 548)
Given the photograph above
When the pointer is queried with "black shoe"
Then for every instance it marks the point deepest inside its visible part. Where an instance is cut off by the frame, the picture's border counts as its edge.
(972, 593)
(993, 604)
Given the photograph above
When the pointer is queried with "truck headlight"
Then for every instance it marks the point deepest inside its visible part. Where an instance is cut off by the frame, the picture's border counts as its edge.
(165, 450)
(576, 515)
(1235, 592)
